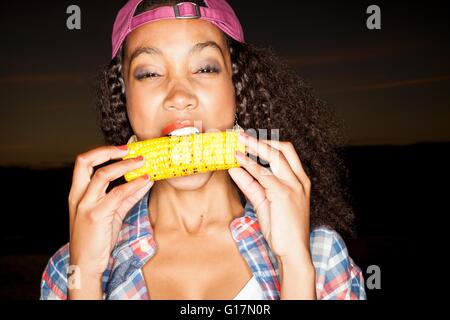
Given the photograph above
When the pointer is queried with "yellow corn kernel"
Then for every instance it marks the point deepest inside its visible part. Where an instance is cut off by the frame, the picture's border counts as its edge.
(176, 156)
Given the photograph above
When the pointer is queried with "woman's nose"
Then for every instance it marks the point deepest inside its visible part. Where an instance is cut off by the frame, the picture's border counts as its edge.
(181, 99)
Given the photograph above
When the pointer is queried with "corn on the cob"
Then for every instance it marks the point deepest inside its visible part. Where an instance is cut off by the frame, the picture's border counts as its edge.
(176, 156)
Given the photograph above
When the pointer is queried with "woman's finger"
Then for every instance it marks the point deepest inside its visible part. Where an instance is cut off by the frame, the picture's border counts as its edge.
(289, 152)
(104, 176)
(120, 199)
(83, 170)
(272, 185)
(254, 192)
(84, 167)
(129, 202)
(278, 163)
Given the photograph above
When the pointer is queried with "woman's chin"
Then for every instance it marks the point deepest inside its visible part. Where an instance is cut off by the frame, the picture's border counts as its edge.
(192, 182)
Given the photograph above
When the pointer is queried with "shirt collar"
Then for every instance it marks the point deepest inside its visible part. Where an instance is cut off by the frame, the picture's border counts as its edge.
(136, 245)
(136, 227)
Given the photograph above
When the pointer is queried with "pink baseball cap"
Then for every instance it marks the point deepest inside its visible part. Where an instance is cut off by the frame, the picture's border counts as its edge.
(218, 12)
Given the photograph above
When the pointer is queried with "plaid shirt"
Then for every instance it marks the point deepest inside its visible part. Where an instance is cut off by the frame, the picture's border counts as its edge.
(337, 276)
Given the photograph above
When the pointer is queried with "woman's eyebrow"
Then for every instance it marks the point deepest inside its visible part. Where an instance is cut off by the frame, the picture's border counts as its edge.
(155, 51)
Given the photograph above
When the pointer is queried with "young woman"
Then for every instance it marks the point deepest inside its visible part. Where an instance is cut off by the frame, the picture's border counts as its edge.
(253, 232)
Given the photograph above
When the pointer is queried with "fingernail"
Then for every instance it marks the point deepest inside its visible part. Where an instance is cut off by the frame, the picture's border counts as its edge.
(138, 159)
(239, 155)
(243, 137)
(124, 147)
(243, 134)
(145, 177)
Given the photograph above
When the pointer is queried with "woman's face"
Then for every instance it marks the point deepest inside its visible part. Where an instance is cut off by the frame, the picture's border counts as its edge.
(178, 69)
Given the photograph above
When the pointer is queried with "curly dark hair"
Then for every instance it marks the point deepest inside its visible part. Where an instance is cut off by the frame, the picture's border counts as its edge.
(268, 95)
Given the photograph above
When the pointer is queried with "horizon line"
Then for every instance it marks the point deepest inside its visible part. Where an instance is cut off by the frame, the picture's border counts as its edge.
(355, 144)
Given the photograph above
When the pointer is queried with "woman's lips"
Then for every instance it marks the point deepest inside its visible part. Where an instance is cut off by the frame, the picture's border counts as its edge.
(178, 124)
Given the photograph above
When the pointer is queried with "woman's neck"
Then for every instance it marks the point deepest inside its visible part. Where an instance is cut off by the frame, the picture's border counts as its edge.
(195, 212)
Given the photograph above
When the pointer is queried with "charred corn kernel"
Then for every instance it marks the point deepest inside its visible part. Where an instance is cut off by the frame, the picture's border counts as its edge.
(176, 156)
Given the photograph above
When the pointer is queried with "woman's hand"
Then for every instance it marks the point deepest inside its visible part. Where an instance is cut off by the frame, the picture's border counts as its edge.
(281, 200)
(96, 216)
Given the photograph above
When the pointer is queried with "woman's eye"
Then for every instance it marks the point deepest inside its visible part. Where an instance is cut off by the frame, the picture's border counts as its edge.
(209, 69)
(144, 75)
(206, 69)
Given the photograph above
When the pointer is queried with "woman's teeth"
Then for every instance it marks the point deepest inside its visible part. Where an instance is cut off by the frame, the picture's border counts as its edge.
(184, 131)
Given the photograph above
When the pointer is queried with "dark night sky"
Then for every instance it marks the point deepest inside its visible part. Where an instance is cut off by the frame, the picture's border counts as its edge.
(390, 86)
